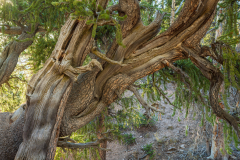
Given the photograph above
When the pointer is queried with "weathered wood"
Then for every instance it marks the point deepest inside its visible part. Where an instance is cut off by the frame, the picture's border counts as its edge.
(10, 54)
(95, 89)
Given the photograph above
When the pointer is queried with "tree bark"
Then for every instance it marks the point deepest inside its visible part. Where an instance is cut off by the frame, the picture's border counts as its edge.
(101, 128)
(59, 102)
(217, 135)
(172, 12)
(10, 54)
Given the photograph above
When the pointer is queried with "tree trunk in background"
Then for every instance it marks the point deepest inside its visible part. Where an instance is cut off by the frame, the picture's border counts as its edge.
(218, 147)
(208, 150)
(214, 148)
(172, 12)
(10, 54)
(101, 129)
(224, 153)
(217, 135)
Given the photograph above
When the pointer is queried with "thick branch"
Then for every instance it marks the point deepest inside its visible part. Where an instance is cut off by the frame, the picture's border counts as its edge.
(11, 30)
(138, 36)
(18, 30)
(71, 145)
(180, 71)
(10, 54)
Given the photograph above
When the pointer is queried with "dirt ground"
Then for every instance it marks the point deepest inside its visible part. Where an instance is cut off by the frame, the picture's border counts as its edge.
(168, 137)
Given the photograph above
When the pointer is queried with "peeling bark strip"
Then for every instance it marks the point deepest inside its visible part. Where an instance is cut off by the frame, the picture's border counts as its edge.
(56, 129)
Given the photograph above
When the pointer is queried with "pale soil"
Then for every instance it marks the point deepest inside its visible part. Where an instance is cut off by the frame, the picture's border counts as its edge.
(169, 140)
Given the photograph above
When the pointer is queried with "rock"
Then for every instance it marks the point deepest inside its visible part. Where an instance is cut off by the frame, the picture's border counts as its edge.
(182, 146)
(147, 135)
(169, 152)
(170, 127)
(169, 117)
(161, 141)
(147, 158)
(233, 157)
(173, 140)
(181, 150)
(172, 149)
(135, 154)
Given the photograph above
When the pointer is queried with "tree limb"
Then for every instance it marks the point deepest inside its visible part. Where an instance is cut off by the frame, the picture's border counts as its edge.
(18, 30)
(162, 93)
(11, 30)
(142, 101)
(71, 145)
(181, 72)
(63, 142)
(102, 56)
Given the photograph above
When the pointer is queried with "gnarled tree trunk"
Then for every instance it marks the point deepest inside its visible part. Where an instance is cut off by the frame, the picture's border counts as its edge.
(59, 101)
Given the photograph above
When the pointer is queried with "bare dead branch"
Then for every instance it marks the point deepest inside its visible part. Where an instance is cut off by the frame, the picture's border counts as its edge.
(63, 143)
(160, 91)
(18, 23)
(66, 139)
(104, 22)
(102, 56)
(113, 8)
(180, 71)
(179, 7)
(11, 30)
(15, 77)
(18, 30)
(142, 101)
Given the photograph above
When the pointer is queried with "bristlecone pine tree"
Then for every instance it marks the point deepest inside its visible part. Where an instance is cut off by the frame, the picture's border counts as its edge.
(65, 95)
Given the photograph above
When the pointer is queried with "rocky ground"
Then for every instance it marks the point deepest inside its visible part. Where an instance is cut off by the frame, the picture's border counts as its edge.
(168, 138)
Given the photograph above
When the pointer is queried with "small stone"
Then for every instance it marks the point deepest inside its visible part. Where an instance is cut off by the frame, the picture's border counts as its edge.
(169, 152)
(170, 127)
(181, 150)
(147, 135)
(233, 157)
(161, 141)
(182, 146)
(172, 149)
(169, 117)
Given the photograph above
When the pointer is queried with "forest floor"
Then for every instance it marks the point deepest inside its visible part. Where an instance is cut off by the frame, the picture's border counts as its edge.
(168, 138)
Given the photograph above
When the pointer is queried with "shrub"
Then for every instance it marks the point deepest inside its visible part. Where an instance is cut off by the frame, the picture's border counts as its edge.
(145, 122)
(148, 149)
(129, 139)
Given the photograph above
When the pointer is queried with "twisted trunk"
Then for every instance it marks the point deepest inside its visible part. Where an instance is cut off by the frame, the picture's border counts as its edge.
(59, 101)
